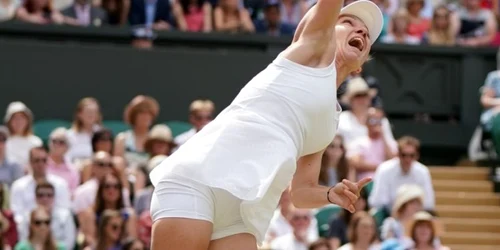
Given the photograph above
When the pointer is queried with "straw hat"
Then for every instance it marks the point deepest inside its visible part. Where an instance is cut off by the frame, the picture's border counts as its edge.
(424, 216)
(358, 86)
(141, 102)
(406, 193)
(17, 107)
(155, 161)
(159, 132)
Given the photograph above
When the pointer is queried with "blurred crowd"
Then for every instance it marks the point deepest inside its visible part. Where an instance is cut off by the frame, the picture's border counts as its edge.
(85, 187)
(434, 22)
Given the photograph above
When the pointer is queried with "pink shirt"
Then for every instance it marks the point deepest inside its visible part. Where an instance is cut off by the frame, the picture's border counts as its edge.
(195, 19)
(66, 171)
(372, 152)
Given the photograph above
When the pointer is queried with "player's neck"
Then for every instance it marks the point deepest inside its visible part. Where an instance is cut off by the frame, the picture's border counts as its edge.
(342, 73)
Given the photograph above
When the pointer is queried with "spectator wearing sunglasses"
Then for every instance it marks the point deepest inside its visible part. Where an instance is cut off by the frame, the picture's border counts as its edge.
(298, 239)
(40, 235)
(9, 171)
(201, 112)
(62, 225)
(57, 162)
(367, 152)
(404, 169)
(109, 231)
(22, 197)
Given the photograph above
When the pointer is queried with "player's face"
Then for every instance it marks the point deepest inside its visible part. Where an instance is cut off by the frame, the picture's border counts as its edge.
(353, 41)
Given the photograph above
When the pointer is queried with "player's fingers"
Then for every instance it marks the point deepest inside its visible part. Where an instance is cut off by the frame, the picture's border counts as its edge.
(351, 196)
(351, 208)
(363, 182)
(351, 186)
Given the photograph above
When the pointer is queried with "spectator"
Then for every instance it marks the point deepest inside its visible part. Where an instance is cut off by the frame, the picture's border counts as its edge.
(409, 200)
(424, 231)
(156, 14)
(140, 114)
(7, 9)
(39, 12)
(40, 236)
(159, 141)
(477, 26)
(57, 164)
(298, 239)
(490, 100)
(292, 11)
(19, 121)
(230, 17)
(443, 28)
(321, 244)
(405, 169)
(62, 225)
(272, 24)
(398, 30)
(109, 231)
(201, 112)
(194, 15)
(9, 171)
(143, 186)
(85, 14)
(87, 120)
(334, 166)
(362, 233)
(367, 152)
(8, 227)
(417, 25)
(133, 244)
(352, 123)
(337, 234)
(23, 198)
(117, 10)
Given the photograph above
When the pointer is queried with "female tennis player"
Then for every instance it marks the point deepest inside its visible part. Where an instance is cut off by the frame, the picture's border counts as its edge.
(219, 190)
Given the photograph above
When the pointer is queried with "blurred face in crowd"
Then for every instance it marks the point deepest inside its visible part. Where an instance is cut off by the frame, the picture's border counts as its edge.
(159, 147)
(360, 102)
(407, 155)
(18, 123)
(105, 143)
(272, 15)
(111, 189)
(40, 223)
(114, 228)
(365, 229)
(58, 145)
(300, 219)
(374, 123)
(411, 207)
(143, 120)
(336, 149)
(101, 164)
(471, 4)
(441, 18)
(89, 115)
(423, 232)
(45, 197)
(38, 162)
(415, 6)
(400, 25)
(200, 118)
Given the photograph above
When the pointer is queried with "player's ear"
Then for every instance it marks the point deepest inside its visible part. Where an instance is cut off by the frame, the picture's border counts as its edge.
(356, 72)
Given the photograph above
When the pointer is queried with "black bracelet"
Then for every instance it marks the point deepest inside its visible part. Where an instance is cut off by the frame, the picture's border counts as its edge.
(328, 195)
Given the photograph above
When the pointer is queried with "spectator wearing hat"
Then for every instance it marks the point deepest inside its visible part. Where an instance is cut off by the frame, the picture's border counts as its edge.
(159, 141)
(85, 14)
(404, 169)
(140, 114)
(352, 123)
(9, 171)
(201, 112)
(57, 163)
(19, 121)
(424, 230)
(409, 201)
(271, 24)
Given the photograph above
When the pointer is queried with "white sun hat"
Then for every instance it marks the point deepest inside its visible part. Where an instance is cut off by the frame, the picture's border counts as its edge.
(369, 13)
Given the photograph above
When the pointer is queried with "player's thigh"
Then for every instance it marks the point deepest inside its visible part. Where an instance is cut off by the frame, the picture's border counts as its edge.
(181, 233)
(242, 241)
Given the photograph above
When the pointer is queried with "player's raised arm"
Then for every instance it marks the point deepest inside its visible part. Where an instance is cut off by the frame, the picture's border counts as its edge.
(319, 21)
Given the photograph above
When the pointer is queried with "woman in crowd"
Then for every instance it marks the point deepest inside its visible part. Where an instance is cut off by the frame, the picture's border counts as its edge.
(398, 30)
(159, 141)
(292, 11)
(443, 28)
(86, 120)
(424, 230)
(40, 235)
(334, 166)
(40, 12)
(362, 233)
(19, 121)
(140, 114)
(338, 226)
(417, 25)
(8, 227)
(194, 15)
(230, 17)
(109, 232)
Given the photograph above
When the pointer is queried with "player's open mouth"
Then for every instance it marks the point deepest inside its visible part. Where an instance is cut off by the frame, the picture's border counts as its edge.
(357, 42)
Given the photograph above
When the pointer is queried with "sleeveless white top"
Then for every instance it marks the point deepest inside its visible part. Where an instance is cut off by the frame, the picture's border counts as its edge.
(286, 111)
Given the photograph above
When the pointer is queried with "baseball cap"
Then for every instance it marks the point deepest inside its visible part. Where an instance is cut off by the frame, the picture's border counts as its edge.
(369, 13)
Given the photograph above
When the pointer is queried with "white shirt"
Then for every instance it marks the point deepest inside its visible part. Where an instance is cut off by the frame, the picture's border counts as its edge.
(348, 246)
(22, 196)
(350, 128)
(17, 148)
(62, 226)
(280, 226)
(80, 146)
(85, 195)
(184, 137)
(389, 177)
(288, 242)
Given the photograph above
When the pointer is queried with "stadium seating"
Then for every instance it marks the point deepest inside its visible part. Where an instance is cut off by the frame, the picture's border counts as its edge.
(43, 128)
(324, 215)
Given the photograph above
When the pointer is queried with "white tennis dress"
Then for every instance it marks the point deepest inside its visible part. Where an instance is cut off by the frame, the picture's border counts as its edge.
(250, 150)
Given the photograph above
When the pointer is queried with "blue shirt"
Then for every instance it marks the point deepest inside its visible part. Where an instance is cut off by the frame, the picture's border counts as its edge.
(150, 7)
(493, 82)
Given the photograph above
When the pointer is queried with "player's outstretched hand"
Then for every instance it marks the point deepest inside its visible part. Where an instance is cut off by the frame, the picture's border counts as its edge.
(346, 193)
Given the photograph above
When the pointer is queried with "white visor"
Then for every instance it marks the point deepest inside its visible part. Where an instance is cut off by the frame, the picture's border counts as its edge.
(369, 13)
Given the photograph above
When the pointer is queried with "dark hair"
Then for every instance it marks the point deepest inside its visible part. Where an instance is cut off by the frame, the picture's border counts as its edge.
(321, 242)
(98, 135)
(143, 168)
(99, 201)
(106, 216)
(186, 3)
(39, 148)
(44, 184)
